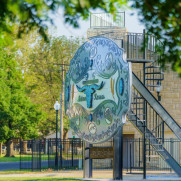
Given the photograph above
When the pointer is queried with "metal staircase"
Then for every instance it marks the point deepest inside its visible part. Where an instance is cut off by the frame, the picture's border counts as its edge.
(151, 122)
(156, 144)
(153, 76)
(158, 108)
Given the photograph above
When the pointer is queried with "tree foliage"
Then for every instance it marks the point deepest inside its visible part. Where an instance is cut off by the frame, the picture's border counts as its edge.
(18, 116)
(163, 19)
(74, 10)
(42, 65)
(30, 13)
(27, 13)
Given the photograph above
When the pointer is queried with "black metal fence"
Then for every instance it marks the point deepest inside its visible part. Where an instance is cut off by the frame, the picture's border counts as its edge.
(133, 155)
(41, 154)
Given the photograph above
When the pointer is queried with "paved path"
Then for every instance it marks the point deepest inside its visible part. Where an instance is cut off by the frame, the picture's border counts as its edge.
(105, 175)
(9, 166)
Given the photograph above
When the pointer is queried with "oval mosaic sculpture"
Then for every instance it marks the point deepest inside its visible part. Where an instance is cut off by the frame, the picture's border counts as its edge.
(97, 90)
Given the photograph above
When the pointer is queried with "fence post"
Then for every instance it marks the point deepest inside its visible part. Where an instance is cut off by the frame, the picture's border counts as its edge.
(72, 154)
(127, 152)
(171, 146)
(139, 152)
(60, 153)
(130, 156)
(20, 153)
(40, 155)
(48, 154)
(171, 149)
(32, 154)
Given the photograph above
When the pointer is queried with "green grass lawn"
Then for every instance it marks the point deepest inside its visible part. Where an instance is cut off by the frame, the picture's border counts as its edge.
(16, 158)
(10, 159)
(37, 179)
(29, 157)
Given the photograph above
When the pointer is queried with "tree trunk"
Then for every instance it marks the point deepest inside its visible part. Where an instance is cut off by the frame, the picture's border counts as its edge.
(10, 149)
(24, 147)
(65, 135)
(66, 144)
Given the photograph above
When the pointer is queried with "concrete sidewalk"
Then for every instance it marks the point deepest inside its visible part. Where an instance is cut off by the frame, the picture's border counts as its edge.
(98, 175)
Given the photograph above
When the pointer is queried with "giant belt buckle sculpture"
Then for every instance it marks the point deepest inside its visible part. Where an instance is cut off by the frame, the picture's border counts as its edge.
(98, 90)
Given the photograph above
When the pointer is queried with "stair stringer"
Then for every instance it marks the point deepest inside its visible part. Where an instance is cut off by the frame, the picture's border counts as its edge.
(166, 117)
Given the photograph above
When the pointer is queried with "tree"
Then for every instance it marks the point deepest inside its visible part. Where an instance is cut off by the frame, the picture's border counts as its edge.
(29, 13)
(19, 118)
(163, 19)
(42, 65)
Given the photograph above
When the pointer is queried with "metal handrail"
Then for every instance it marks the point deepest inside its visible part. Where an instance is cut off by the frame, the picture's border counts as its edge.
(133, 44)
(100, 20)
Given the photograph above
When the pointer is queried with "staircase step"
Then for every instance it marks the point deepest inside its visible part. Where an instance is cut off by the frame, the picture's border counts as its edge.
(154, 79)
(157, 144)
(154, 73)
(137, 103)
(138, 98)
(148, 85)
(153, 150)
(153, 66)
(153, 156)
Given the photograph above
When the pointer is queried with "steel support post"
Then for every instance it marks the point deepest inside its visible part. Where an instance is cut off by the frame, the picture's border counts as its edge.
(118, 155)
(87, 161)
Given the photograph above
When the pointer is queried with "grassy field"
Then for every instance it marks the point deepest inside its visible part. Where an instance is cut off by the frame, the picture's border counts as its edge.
(16, 158)
(37, 179)
(29, 157)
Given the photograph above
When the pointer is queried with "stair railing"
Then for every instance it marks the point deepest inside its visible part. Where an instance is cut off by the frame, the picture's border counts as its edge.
(155, 124)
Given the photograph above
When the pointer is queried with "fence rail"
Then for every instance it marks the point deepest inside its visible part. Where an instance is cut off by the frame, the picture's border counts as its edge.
(41, 155)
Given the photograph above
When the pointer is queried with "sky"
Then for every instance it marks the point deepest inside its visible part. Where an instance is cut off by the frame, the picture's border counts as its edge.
(132, 24)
